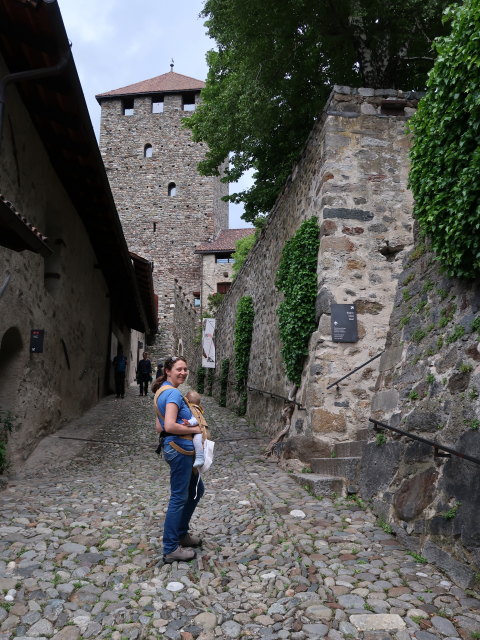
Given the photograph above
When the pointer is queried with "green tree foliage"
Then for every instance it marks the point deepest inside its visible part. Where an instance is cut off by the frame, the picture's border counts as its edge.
(243, 340)
(446, 149)
(297, 278)
(242, 249)
(276, 61)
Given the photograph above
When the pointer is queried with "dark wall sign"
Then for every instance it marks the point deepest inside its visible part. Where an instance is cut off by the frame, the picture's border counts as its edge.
(344, 323)
(36, 340)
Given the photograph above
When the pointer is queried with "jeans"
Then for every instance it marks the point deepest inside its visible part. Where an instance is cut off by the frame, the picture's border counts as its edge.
(144, 380)
(183, 486)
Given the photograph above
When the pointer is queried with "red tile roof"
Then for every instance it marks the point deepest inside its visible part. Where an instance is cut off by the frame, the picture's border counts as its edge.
(225, 241)
(170, 82)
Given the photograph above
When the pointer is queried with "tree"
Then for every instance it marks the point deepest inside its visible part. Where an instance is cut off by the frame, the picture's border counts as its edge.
(242, 249)
(274, 67)
(446, 147)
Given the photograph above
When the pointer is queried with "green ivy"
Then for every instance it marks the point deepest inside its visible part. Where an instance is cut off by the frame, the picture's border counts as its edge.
(242, 344)
(445, 154)
(201, 380)
(225, 368)
(209, 381)
(7, 425)
(297, 278)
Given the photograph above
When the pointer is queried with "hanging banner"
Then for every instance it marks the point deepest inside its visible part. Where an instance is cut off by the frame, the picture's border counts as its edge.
(208, 343)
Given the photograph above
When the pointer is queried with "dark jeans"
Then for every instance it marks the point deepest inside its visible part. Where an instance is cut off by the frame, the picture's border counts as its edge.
(183, 489)
(120, 383)
(143, 380)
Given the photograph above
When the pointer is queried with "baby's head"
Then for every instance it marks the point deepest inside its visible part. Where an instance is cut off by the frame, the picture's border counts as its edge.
(193, 397)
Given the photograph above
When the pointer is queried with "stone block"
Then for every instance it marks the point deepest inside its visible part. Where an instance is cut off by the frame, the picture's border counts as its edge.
(337, 244)
(378, 467)
(322, 303)
(415, 494)
(385, 401)
(390, 358)
(328, 228)
(348, 214)
(323, 421)
(377, 622)
(460, 573)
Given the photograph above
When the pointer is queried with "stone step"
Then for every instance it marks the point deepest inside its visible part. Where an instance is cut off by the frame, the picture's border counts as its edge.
(336, 467)
(364, 434)
(350, 449)
(320, 485)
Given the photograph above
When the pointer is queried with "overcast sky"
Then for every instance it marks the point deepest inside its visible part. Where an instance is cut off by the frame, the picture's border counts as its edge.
(118, 42)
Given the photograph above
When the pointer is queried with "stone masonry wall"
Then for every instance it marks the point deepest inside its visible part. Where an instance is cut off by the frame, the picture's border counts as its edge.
(352, 175)
(186, 329)
(164, 229)
(44, 390)
(212, 273)
(429, 386)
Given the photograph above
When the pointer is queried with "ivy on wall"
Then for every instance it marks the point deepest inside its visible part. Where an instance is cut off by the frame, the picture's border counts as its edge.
(446, 152)
(297, 278)
(201, 380)
(242, 344)
(224, 370)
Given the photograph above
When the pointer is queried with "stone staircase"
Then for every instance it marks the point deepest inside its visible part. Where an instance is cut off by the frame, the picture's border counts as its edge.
(337, 475)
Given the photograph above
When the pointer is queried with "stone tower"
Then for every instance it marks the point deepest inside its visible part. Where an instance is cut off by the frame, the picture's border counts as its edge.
(166, 207)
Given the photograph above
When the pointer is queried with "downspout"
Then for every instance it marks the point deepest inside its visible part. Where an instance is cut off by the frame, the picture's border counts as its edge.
(32, 74)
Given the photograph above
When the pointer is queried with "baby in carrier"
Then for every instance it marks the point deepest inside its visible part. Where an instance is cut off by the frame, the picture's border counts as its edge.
(193, 400)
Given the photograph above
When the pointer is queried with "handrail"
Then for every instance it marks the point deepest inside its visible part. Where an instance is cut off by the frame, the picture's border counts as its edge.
(275, 395)
(437, 447)
(354, 370)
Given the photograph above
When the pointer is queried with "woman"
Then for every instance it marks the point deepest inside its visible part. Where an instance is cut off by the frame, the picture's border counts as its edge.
(186, 488)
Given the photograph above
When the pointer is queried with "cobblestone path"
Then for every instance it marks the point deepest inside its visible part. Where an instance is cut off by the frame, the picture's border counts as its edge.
(81, 548)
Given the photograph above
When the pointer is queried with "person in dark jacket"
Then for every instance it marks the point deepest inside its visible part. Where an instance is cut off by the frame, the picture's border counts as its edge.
(119, 369)
(144, 374)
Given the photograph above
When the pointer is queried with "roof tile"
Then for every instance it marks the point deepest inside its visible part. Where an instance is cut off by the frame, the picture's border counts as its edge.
(225, 240)
(167, 82)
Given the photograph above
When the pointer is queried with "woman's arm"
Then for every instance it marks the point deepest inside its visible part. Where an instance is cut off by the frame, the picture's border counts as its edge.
(171, 424)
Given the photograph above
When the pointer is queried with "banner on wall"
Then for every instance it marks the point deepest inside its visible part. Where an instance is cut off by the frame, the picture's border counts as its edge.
(208, 343)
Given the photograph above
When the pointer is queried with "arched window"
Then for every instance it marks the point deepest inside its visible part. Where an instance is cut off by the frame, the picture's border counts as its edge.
(147, 151)
(172, 189)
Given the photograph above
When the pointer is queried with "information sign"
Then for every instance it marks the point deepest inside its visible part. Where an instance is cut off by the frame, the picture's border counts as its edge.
(344, 323)
(36, 340)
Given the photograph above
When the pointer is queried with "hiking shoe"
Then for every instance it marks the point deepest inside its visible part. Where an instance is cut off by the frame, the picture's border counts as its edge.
(190, 541)
(180, 554)
(199, 461)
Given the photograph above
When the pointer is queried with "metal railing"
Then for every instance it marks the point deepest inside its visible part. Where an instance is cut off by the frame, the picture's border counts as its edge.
(354, 370)
(275, 395)
(437, 447)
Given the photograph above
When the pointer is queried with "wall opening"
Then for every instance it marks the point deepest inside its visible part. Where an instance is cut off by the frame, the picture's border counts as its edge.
(147, 151)
(157, 104)
(188, 102)
(172, 189)
(223, 287)
(128, 107)
(10, 367)
(224, 258)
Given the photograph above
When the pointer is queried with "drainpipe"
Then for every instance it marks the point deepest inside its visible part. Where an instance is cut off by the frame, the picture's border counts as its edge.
(32, 74)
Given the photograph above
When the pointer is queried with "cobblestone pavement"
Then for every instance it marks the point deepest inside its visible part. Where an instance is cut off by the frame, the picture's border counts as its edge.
(81, 548)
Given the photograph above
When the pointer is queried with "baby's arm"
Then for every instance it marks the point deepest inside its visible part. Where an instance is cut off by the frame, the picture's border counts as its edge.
(193, 422)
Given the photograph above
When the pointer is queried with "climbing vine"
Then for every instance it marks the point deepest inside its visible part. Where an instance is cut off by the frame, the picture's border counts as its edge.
(297, 278)
(225, 368)
(242, 344)
(209, 381)
(445, 153)
(201, 380)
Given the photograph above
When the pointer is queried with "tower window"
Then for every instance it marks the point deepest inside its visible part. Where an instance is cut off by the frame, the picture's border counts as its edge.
(196, 298)
(154, 227)
(128, 107)
(147, 151)
(172, 189)
(188, 101)
(224, 258)
(157, 104)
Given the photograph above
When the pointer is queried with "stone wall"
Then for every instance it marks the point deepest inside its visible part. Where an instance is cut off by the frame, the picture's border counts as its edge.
(352, 175)
(65, 294)
(186, 330)
(164, 229)
(429, 386)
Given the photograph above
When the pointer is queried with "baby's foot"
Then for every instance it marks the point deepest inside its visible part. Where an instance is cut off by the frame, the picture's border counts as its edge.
(199, 461)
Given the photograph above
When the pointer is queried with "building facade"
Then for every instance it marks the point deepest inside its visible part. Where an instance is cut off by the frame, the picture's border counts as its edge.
(166, 207)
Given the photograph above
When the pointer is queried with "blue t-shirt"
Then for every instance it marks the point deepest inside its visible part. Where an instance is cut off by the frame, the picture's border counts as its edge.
(174, 396)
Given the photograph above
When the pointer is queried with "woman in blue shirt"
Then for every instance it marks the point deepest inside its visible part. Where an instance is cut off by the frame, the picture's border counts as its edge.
(186, 488)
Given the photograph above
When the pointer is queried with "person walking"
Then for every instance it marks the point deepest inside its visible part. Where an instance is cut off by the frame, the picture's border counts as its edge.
(186, 487)
(144, 374)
